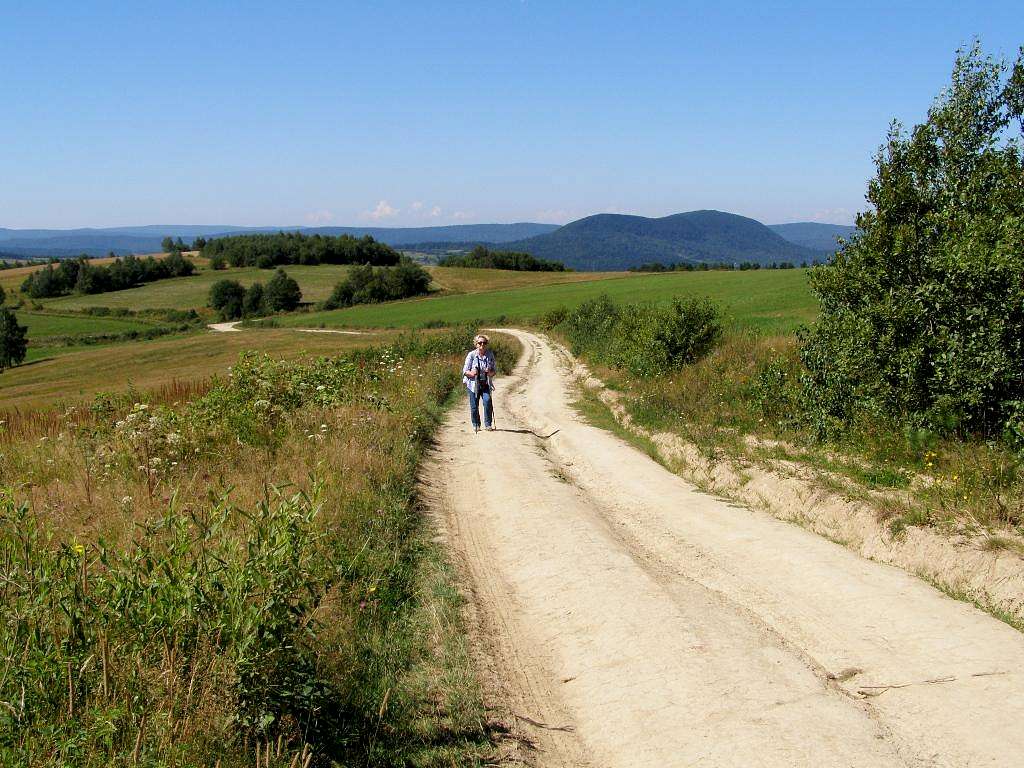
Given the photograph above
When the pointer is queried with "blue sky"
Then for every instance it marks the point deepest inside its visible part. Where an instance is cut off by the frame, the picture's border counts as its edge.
(415, 113)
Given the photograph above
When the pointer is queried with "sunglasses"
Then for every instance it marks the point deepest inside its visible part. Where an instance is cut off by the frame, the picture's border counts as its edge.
(481, 343)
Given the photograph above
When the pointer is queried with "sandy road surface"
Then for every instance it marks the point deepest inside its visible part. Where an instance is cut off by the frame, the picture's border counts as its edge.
(659, 626)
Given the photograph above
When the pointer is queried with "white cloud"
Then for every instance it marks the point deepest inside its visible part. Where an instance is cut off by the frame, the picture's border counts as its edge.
(834, 216)
(417, 206)
(460, 215)
(558, 216)
(382, 211)
(435, 211)
(319, 217)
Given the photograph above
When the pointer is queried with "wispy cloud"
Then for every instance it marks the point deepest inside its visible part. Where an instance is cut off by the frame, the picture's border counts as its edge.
(834, 216)
(384, 210)
(461, 215)
(319, 217)
(556, 216)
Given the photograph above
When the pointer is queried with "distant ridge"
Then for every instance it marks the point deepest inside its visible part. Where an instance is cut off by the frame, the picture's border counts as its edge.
(814, 235)
(146, 239)
(611, 241)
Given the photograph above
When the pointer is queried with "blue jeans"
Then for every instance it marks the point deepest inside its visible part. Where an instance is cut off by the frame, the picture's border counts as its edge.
(474, 407)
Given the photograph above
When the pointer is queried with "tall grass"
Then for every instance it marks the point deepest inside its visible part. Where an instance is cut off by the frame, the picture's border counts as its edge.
(193, 579)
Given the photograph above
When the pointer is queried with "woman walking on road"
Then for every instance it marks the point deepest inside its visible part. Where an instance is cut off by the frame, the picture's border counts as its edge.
(478, 376)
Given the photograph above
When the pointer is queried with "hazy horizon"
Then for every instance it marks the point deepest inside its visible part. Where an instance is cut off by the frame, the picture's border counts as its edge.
(343, 225)
(402, 115)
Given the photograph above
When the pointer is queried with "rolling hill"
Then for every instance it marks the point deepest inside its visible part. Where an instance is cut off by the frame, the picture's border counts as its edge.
(146, 239)
(610, 241)
(814, 235)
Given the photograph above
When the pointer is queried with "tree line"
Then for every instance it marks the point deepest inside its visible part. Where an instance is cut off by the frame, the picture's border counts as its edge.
(267, 250)
(232, 301)
(81, 276)
(482, 257)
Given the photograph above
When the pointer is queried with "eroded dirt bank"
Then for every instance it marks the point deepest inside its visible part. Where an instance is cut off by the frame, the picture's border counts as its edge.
(648, 624)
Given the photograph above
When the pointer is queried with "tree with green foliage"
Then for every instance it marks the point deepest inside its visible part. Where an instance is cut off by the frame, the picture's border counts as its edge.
(3, 295)
(167, 244)
(227, 297)
(254, 302)
(13, 339)
(369, 285)
(267, 250)
(282, 293)
(482, 257)
(922, 312)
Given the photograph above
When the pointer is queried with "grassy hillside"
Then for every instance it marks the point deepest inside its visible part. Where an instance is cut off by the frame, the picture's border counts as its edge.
(773, 301)
(192, 292)
(316, 284)
(467, 280)
(81, 372)
(44, 325)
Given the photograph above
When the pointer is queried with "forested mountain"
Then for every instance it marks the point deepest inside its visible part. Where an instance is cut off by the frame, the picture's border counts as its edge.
(146, 239)
(814, 235)
(613, 241)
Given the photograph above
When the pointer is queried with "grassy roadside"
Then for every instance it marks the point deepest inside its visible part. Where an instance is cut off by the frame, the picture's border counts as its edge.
(186, 581)
(727, 405)
(968, 560)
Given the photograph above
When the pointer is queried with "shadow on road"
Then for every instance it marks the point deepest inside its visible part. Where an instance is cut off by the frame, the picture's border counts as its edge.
(527, 432)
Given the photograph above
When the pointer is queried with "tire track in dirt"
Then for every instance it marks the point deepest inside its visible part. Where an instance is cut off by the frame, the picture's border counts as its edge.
(663, 627)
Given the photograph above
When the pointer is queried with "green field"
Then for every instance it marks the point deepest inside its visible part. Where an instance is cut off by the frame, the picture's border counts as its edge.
(80, 372)
(192, 292)
(44, 325)
(768, 301)
(316, 284)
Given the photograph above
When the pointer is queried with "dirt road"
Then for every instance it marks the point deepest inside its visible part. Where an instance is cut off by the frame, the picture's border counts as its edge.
(634, 621)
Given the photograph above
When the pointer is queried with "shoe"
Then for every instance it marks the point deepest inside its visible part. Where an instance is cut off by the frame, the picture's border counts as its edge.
(476, 429)
(491, 429)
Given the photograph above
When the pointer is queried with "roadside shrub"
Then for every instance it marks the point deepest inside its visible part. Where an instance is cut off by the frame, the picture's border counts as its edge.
(553, 317)
(922, 313)
(649, 341)
(227, 297)
(588, 328)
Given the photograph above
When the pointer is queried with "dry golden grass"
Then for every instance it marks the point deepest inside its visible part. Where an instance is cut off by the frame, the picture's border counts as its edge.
(147, 364)
(465, 280)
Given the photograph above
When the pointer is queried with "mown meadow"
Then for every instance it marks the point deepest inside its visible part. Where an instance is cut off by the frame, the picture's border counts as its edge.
(773, 301)
(235, 570)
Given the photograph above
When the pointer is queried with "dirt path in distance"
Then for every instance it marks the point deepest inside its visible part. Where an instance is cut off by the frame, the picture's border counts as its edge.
(630, 620)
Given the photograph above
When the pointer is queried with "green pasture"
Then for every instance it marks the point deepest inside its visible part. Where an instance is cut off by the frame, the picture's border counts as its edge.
(766, 301)
(192, 292)
(46, 325)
